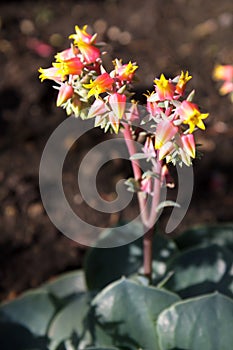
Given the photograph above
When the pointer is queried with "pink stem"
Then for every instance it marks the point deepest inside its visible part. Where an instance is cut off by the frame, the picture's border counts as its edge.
(148, 237)
(136, 170)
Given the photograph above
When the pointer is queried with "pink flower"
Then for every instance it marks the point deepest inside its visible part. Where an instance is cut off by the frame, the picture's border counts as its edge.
(125, 72)
(166, 149)
(101, 84)
(65, 93)
(66, 54)
(50, 73)
(152, 105)
(188, 144)
(164, 88)
(97, 108)
(223, 72)
(71, 66)
(90, 53)
(117, 102)
(164, 133)
(82, 35)
(191, 115)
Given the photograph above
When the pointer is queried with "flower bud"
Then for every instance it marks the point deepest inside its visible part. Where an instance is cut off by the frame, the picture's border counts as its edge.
(164, 132)
(65, 93)
(117, 102)
(188, 144)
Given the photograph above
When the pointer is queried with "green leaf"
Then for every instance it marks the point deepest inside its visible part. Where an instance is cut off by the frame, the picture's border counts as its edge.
(101, 348)
(33, 310)
(128, 312)
(201, 270)
(202, 323)
(103, 266)
(66, 284)
(16, 337)
(221, 234)
(69, 321)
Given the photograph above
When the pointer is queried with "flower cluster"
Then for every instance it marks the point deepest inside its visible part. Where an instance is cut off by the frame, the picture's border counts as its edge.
(83, 82)
(87, 90)
(224, 73)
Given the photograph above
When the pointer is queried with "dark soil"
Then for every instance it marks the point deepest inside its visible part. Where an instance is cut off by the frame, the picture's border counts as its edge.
(161, 36)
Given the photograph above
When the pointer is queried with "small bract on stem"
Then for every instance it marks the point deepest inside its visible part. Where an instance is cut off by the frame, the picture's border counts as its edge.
(87, 90)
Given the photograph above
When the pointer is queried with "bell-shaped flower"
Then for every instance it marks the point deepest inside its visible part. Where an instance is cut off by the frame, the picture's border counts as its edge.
(66, 54)
(164, 133)
(113, 120)
(50, 73)
(149, 149)
(164, 88)
(97, 108)
(223, 72)
(226, 88)
(102, 83)
(65, 93)
(188, 144)
(166, 150)
(152, 105)
(181, 84)
(125, 72)
(72, 66)
(82, 35)
(191, 115)
(117, 103)
(89, 52)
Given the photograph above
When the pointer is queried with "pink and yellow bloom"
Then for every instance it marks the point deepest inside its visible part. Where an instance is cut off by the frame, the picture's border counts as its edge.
(97, 108)
(49, 73)
(90, 53)
(191, 115)
(65, 93)
(82, 35)
(102, 83)
(117, 103)
(164, 88)
(181, 84)
(72, 66)
(188, 145)
(152, 105)
(125, 72)
(223, 72)
(165, 132)
(66, 54)
(166, 150)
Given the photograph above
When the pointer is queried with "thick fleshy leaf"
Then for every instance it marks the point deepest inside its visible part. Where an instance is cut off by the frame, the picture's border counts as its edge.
(128, 312)
(221, 234)
(66, 284)
(101, 348)
(16, 337)
(201, 323)
(201, 270)
(75, 322)
(33, 310)
(69, 321)
(103, 266)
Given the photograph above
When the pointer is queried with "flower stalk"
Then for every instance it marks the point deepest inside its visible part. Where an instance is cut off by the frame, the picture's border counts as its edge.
(87, 90)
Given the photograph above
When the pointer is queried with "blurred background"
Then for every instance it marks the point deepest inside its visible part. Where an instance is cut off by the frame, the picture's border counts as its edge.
(162, 37)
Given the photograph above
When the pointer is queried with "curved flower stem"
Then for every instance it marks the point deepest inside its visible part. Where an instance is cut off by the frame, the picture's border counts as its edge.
(148, 219)
(148, 237)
